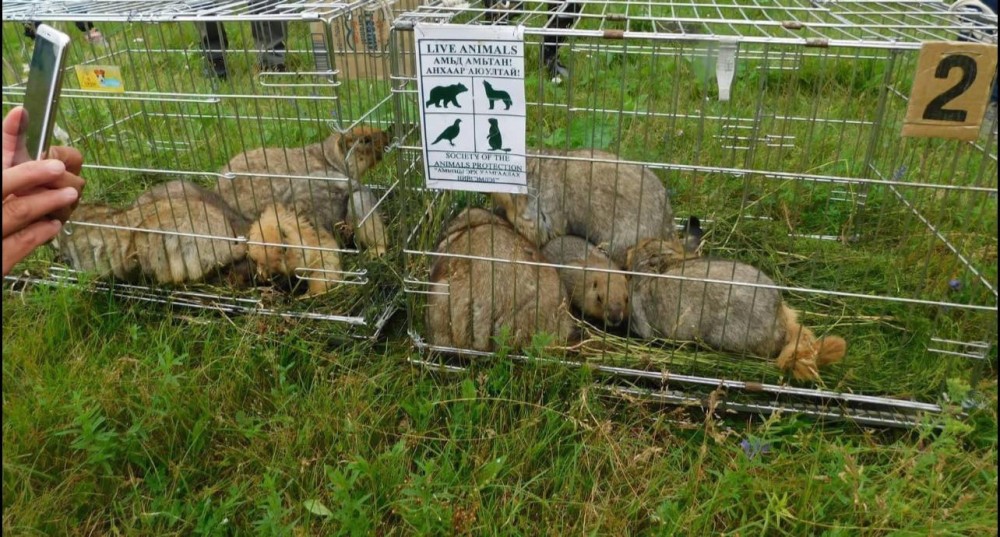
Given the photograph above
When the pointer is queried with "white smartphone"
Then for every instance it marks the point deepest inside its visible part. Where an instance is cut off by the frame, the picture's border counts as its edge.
(41, 96)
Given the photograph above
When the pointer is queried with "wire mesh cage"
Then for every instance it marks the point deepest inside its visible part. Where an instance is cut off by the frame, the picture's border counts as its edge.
(818, 226)
(232, 151)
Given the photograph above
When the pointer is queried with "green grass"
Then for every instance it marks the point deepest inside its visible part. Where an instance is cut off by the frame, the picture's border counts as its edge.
(118, 420)
(125, 418)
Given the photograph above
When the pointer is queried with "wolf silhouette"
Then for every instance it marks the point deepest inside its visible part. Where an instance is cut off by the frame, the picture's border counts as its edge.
(495, 95)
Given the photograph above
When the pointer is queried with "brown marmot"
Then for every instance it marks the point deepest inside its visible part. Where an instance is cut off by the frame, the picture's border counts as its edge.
(599, 295)
(473, 300)
(177, 232)
(283, 243)
(254, 181)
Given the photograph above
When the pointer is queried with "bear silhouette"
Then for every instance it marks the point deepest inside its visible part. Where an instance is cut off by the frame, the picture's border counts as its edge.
(446, 94)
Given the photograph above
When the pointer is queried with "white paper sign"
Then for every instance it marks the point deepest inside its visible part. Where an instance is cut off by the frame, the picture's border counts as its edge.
(471, 84)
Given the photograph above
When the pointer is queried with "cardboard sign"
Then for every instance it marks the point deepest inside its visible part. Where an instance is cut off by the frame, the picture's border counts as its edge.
(470, 81)
(104, 78)
(951, 90)
(361, 41)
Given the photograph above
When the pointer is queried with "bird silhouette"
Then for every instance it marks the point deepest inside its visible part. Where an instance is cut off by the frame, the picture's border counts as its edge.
(450, 133)
(495, 138)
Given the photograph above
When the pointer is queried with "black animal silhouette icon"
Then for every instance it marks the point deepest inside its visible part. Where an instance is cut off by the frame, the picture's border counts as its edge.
(497, 95)
(495, 138)
(450, 133)
(446, 95)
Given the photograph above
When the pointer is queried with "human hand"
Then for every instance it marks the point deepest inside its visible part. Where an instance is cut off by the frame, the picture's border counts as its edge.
(70, 178)
(13, 151)
(37, 195)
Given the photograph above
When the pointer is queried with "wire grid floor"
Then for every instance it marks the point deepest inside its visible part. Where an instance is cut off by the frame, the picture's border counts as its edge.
(728, 396)
(195, 299)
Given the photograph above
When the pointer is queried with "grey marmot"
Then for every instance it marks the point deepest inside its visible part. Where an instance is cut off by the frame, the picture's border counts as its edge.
(727, 317)
(611, 204)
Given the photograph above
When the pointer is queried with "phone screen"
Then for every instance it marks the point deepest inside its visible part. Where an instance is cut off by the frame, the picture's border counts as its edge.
(39, 99)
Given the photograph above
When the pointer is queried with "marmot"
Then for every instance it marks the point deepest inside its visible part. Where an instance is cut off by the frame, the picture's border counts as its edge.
(476, 299)
(187, 208)
(181, 189)
(599, 295)
(613, 205)
(734, 318)
(191, 233)
(344, 158)
(175, 233)
(276, 248)
(102, 249)
(332, 202)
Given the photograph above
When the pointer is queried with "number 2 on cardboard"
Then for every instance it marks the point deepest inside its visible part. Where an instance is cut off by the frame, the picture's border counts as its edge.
(936, 108)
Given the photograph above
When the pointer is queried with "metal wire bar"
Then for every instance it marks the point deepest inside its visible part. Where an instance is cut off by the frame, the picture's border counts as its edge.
(664, 378)
(210, 302)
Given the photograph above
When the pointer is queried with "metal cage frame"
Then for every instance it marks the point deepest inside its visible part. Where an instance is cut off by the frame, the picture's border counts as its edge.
(315, 95)
(782, 37)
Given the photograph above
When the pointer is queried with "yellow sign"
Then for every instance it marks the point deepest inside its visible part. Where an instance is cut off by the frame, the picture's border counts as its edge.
(950, 90)
(106, 78)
